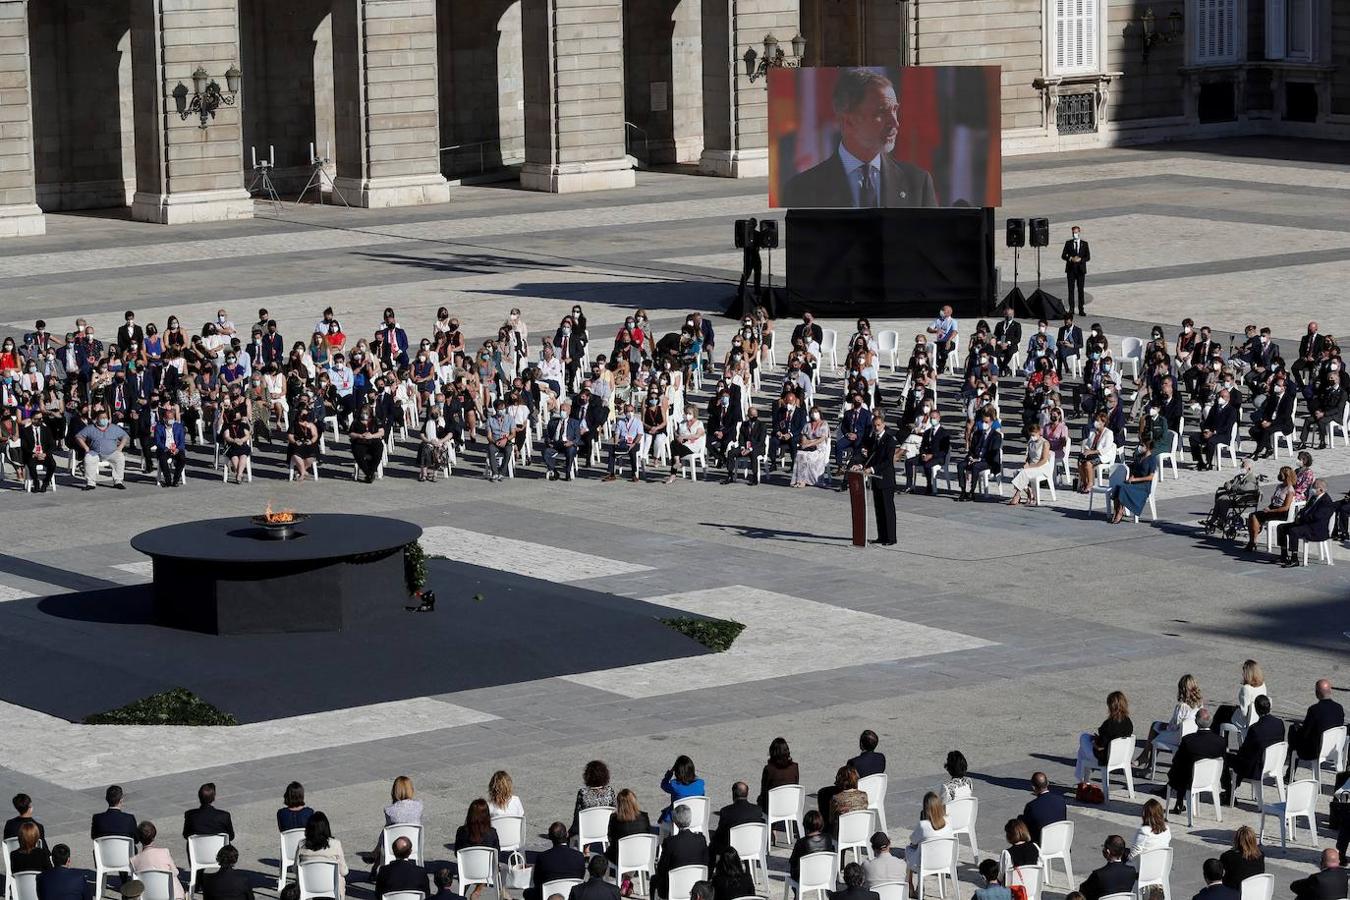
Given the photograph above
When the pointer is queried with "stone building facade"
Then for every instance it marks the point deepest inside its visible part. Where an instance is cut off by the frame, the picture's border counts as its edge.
(400, 99)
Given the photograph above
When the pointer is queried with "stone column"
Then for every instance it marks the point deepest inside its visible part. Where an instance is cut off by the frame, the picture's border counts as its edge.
(185, 173)
(574, 132)
(735, 111)
(19, 212)
(385, 101)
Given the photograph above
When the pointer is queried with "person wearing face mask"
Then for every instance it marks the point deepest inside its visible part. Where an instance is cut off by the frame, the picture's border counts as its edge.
(628, 441)
(1039, 464)
(38, 448)
(1216, 428)
(855, 424)
(879, 463)
(813, 453)
(789, 418)
(1312, 523)
(102, 441)
(1068, 345)
(1007, 337)
(1276, 417)
(129, 333)
(1327, 405)
(748, 447)
(931, 455)
(562, 437)
(984, 453)
(724, 415)
(170, 440)
(1076, 256)
(367, 439)
(690, 440)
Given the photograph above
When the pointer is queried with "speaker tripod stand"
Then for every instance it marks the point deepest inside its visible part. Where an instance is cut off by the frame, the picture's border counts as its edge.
(317, 179)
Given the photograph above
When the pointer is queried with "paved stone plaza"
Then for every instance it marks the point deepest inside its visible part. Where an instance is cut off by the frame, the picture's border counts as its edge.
(994, 631)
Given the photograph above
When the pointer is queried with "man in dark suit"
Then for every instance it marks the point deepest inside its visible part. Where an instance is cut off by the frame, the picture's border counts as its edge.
(808, 330)
(854, 426)
(1068, 344)
(749, 447)
(879, 462)
(38, 450)
(23, 805)
(562, 436)
(401, 873)
(1310, 348)
(1007, 338)
(170, 447)
(113, 821)
(682, 848)
(861, 173)
(557, 862)
(1305, 738)
(1116, 877)
(393, 341)
(932, 455)
(1214, 888)
(1076, 256)
(855, 885)
(751, 264)
(739, 812)
(228, 883)
(130, 333)
(868, 761)
(1249, 759)
(273, 347)
(724, 419)
(206, 819)
(983, 454)
(1215, 429)
(590, 409)
(595, 887)
(61, 882)
(1328, 884)
(1276, 416)
(1199, 744)
(1313, 523)
(789, 418)
(1044, 808)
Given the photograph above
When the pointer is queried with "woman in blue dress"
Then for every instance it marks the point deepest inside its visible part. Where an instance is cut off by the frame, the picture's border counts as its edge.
(1131, 495)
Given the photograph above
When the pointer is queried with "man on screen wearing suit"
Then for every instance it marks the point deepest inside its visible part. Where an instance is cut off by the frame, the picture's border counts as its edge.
(861, 173)
(1076, 256)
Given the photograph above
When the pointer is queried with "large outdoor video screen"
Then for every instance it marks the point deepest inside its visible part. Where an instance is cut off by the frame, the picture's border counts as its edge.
(916, 136)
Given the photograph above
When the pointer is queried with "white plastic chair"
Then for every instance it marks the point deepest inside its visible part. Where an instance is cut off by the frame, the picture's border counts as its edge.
(1323, 552)
(855, 834)
(1273, 524)
(111, 854)
(680, 881)
(1057, 843)
(11, 844)
(476, 865)
(1168, 744)
(1257, 887)
(937, 856)
(392, 833)
(787, 804)
(1117, 760)
(818, 871)
(405, 895)
(1332, 751)
(636, 855)
(1231, 447)
(510, 837)
(1300, 801)
(890, 890)
(961, 816)
(1288, 438)
(158, 885)
(874, 786)
(25, 885)
(699, 812)
(316, 877)
(888, 345)
(290, 843)
(1204, 780)
(1155, 867)
(1030, 877)
(561, 886)
(1170, 456)
(1064, 463)
(1048, 477)
(201, 851)
(1131, 352)
(1343, 426)
(829, 347)
(751, 841)
(1120, 897)
(1273, 764)
(593, 826)
(689, 464)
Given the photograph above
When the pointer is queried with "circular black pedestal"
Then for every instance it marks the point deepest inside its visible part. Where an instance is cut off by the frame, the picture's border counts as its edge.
(224, 576)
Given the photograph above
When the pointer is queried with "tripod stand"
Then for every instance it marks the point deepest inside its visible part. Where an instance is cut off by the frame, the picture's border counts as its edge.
(262, 179)
(317, 180)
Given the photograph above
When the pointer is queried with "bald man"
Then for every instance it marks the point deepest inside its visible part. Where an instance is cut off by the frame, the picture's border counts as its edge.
(1305, 738)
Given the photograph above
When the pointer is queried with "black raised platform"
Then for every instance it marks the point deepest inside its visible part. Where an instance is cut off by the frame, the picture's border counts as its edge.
(225, 576)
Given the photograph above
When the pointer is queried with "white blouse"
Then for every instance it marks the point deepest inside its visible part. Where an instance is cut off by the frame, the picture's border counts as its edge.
(1246, 698)
(513, 807)
(1147, 839)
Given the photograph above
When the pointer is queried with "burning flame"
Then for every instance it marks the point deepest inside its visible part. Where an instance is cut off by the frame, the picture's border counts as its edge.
(281, 517)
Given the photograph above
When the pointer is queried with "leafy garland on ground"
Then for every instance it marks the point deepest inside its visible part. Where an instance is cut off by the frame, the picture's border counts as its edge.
(414, 567)
(178, 706)
(716, 634)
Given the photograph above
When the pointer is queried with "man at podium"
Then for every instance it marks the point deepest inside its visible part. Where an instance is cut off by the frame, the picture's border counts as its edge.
(879, 464)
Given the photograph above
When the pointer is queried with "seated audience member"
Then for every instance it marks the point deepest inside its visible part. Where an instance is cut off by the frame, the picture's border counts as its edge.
(958, 785)
(627, 819)
(113, 821)
(813, 841)
(30, 855)
(739, 812)
(61, 882)
(1244, 859)
(401, 873)
(595, 887)
(868, 761)
(1092, 748)
(855, 885)
(1214, 888)
(779, 770)
(320, 844)
(557, 863)
(595, 790)
(1312, 523)
(1021, 851)
(23, 805)
(206, 819)
(1249, 759)
(1200, 744)
(682, 848)
(1168, 734)
(293, 813)
(1277, 510)
(444, 879)
(1153, 833)
(884, 867)
(1328, 883)
(1044, 808)
(1131, 494)
(992, 888)
(681, 781)
(844, 797)
(153, 858)
(477, 830)
(1116, 877)
(932, 824)
(730, 878)
(227, 882)
(1040, 462)
(1305, 738)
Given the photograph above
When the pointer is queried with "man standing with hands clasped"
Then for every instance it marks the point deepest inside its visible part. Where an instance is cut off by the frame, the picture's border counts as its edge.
(879, 463)
(1076, 256)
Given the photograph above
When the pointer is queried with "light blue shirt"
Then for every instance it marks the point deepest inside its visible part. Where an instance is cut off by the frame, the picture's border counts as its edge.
(628, 429)
(853, 169)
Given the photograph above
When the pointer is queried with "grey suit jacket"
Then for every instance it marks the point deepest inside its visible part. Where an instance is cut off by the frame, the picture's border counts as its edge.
(827, 186)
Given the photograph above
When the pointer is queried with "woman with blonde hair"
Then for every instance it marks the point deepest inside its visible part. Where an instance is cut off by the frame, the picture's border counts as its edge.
(1276, 511)
(932, 824)
(1152, 833)
(501, 795)
(1241, 715)
(403, 809)
(1092, 748)
(1244, 859)
(1169, 734)
(627, 819)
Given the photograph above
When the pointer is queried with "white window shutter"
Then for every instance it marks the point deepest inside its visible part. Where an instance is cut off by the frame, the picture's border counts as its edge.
(1075, 30)
(1061, 35)
(1090, 34)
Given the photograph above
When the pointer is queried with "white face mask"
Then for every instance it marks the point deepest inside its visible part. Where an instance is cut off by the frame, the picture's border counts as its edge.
(815, 417)
(689, 419)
